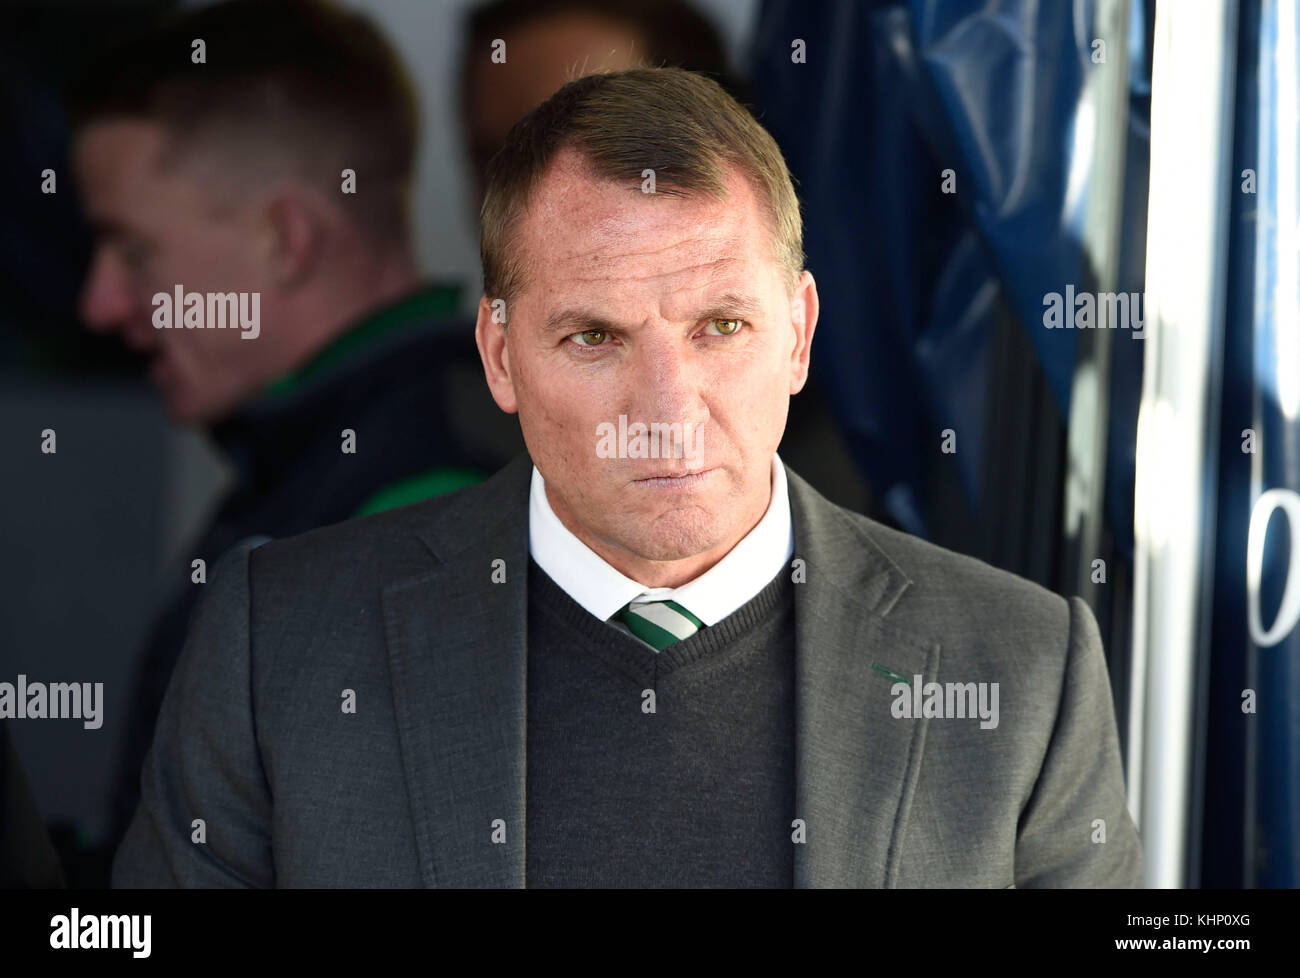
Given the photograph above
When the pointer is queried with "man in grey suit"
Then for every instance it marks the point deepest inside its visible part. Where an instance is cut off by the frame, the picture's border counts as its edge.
(646, 653)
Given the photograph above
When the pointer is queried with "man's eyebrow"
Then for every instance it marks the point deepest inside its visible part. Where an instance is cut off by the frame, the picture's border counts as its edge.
(574, 321)
(728, 305)
(731, 305)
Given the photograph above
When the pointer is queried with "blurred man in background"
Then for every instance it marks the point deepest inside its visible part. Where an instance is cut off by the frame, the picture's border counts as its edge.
(266, 148)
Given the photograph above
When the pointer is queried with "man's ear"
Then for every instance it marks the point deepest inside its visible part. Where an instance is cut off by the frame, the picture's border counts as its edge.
(293, 229)
(490, 333)
(804, 306)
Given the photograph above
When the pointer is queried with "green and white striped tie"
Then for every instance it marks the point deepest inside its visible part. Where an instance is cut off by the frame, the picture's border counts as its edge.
(659, 623)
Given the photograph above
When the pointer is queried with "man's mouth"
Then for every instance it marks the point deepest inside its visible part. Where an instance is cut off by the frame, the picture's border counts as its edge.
(679, 480)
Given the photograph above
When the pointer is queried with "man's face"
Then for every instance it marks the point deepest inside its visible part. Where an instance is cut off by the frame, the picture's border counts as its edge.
(156, 227)
(630, 307)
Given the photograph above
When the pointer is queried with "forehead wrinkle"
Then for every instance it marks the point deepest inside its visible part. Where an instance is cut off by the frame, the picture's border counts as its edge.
(602, 256)
(712, 268)
(565, 201)
(723, 224)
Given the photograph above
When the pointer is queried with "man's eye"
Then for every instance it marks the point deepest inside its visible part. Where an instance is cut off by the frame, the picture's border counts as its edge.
(726, 327)
(590, 337)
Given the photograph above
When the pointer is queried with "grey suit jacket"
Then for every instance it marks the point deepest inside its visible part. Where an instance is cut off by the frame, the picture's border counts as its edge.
(255, 756)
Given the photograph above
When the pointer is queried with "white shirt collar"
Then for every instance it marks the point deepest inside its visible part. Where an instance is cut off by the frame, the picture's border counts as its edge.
(586, 577)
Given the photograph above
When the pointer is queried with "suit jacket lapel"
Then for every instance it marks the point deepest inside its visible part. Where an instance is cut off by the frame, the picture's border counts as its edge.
(457, 653)
(855, 763)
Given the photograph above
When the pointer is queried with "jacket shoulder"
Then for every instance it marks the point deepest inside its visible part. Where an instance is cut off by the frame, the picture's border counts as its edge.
(401, 541)
(959, 600)
(387, 537)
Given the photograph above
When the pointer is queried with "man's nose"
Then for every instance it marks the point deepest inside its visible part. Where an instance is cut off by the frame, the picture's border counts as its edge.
(106, 300)
(670, 389)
